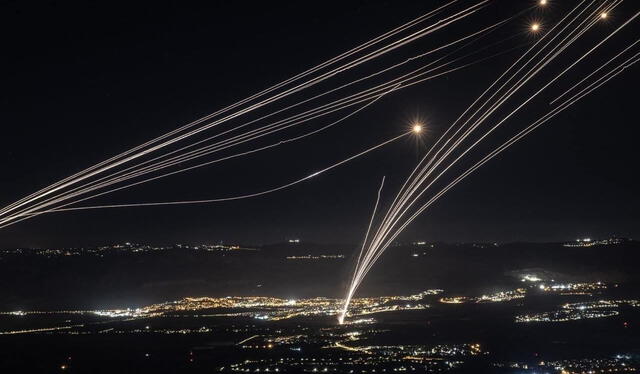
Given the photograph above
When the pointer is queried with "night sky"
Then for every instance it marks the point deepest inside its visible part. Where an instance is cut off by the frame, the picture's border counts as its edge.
(83, 81)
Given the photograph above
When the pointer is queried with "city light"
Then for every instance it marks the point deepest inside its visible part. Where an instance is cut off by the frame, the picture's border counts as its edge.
(273, 307)
(531, 278)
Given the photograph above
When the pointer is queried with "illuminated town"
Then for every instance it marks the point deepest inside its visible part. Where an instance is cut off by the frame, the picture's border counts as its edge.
(279, 331)
(260, 308)
(430, 331)
(357, 187)
(581, 310)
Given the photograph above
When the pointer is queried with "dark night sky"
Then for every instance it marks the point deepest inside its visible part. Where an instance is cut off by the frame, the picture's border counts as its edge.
(86, 80)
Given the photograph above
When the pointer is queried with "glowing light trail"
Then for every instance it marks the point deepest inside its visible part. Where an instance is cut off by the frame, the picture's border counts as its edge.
(411, 177)
(118, 160)
(373, 215)
(240, 197)
(413, 188)
(389, 226)
(519, 136)
(429, 168)
(155, 167)
(167, 163)
(425, 173)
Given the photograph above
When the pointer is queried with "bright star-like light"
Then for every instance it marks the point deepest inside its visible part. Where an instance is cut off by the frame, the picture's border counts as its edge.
(417, 128)
(604, 15)
(543, 2)
(535, 27)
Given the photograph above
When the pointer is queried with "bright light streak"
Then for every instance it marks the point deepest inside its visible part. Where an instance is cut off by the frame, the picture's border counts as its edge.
(413, 188)
(140, 151)
(398, 83)
(240, 197)
(403, 196)
(408, 80)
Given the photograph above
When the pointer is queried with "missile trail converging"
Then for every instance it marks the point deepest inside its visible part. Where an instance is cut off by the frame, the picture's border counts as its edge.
(291, 111)
(516, 138)
(119, 178)
(414, 180)
(239, 197)
(243, 101)
(406, 205)
(142, 150)
(388, 223)
(368, 96)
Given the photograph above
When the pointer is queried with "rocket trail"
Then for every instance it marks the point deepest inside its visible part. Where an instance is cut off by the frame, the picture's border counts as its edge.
(248, 99)
(373, 215)
(515, 139)
(243, 139)
(520, 83)
(380, 51)
(231, 198)
(75, 193)
(182, 158)
(264, 120)
(482, 32)
(391, 224)
(119, 177)
(411, 177)
(396, 220)
(429, 167)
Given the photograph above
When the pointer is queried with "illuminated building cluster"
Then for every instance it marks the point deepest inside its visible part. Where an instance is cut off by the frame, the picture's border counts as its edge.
(456, 300)
(567, 288)
(277, 309)
(270, 308)
(422, 352)
(101, 251)
(395, 358)
(315, 257)
(340, 348)
(349, 364)
(618, 364)
(565, 316)
(601, 304)
(588, 242)
(573, 288)
(580, 310)
(359, 345)
(497, 297)
(258, 307)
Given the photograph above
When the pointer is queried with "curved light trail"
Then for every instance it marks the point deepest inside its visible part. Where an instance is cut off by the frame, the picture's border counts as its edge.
(158, 163)
(239, 197)
(406, 205)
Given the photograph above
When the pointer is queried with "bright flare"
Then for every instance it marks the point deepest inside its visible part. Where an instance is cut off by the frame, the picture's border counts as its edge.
(543, 2)
(535, 27)
(417, 128)
(604, 15)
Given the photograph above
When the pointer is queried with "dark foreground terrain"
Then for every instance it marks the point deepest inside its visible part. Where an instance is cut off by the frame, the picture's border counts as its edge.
(475, 308)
